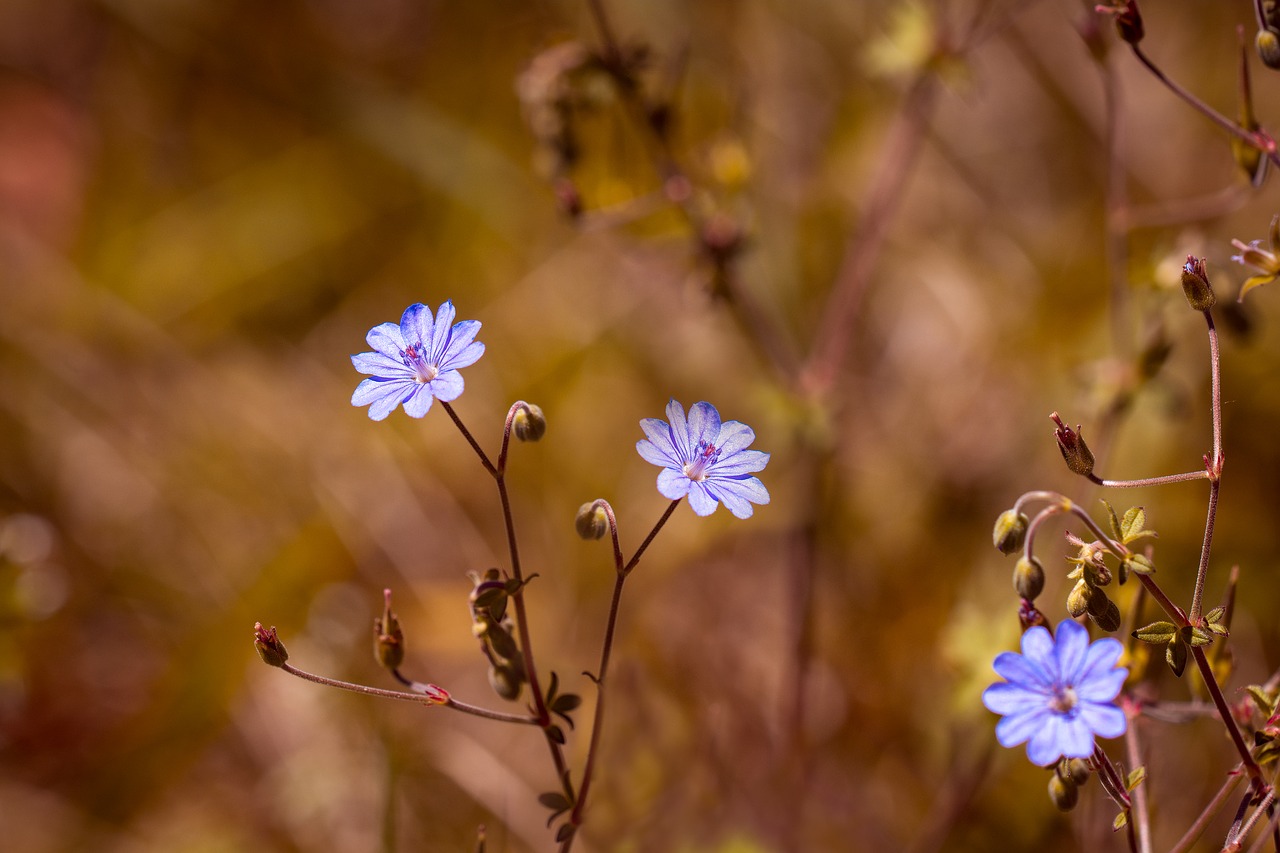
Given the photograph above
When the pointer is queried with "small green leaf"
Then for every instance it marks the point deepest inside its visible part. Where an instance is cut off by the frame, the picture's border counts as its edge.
(489, 596)
(1196, 636)
(1265, 701)
(1140, 564)
(565, 832)
(1120, 822)
(555, 801)
(566, 703)
(1135, 518)
(1157, 633)
(1116, 532)
(556, 734)
(1136, 777)
(552, 688)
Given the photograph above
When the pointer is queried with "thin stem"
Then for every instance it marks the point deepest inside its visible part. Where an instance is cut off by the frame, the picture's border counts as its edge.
(1270, 830)
(1224, 712)
(1262, 806)
(1213, 467)
(622, 572)
(1186, 477)
(1210, 811)
(419, 697)
(1109, 778)
(1254, 139)
(466, 433)
(1139, 815)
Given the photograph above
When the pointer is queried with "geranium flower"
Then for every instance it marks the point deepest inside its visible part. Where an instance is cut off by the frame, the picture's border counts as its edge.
(415, 362)
(704, 459)
(1059, 694)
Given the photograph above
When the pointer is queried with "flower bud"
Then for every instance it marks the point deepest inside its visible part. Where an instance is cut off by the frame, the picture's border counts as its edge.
(268, 644)
(1028, 578)
(1097, 602)
(1029, 617)
(505, 681)
(1010, 531)
(438, 695)
(1078, 599)
(1128, 20)
(529, 424)
(388, 639)
(1074, 451)
(1063, 792)
(1267, 43)
(1195, 284)
(1078, 771)
(592, 521)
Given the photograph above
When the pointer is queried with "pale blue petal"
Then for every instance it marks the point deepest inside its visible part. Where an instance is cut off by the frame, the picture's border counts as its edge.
(447, 386)
(419, 402)
(1005, 698)
(1037, 647)
(1102, 657)
(735, 503)
(1017, 728)
(1073, 735)
(440, 332)
(673, 484)
(651, 454)
(460, 352)
(1017, 669)
(701, 500)
(415, 324)
(1103, 687)
(659, 435)
(1044, 746)
(704, 424)
(387, 339)
(734, 436)
(1104, 720)
(375, 389)
(679, 430)
(377, 364)
(1072, 641)
(742, 462)
(742, 488)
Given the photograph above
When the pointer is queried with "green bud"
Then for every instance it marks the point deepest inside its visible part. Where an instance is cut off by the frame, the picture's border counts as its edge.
(1028, 578)
(505, 681)
(388, 639)
(1267, 44)
(1175, 654)
(1074, 451)
(1078, 770)
(1195, 284)
(1097, 602)
(1078, 599)
(529, 424)
(592, 521)
(1010, 531)
(1063, 792)
(268, 644)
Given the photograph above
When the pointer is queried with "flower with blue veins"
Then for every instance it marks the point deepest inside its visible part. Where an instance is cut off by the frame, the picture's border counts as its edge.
(415, 362)
(1059, 694)
(704, 459)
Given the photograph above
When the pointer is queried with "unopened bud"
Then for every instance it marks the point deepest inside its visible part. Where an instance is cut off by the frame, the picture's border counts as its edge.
(438, 695)
(1078, 770)
(1028, 578)
(1078, 599)
(388, 639)
(505, 681)
(1128, 20)
(1195, 284)
(1029, 617)
(268, 644)
(1267, 43)
(1097, 602)
(1010, 531)
(1063, 792)
(529, 424)
(592, 521)
(1074, 451)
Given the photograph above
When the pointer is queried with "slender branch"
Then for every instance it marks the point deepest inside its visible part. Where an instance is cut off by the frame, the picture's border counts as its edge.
(622, 572)
(1210, 811)
(1224, 712)
(1186, 477)
(419, 696)
(466, 433)
(1213, 467)
(1258, 140)
(1270, 830)
(1264, 805)
(1139, 816)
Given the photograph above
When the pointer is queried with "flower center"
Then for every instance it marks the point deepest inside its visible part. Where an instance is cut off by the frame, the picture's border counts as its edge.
(1064, 699)
(413, 358)
(703, 458)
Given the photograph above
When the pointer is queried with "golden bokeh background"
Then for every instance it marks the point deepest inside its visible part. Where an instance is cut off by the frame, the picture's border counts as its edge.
(205, 204)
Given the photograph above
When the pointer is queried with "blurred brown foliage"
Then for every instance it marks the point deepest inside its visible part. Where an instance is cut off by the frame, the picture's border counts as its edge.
(204, 206)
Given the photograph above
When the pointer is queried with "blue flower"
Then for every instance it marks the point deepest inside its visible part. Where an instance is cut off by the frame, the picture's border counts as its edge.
(415, 362)
(1058, 694)
(705, 459)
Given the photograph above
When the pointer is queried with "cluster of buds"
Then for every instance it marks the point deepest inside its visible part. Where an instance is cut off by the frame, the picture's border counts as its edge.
(1064, 785)
(1088, 597)
(494, 629)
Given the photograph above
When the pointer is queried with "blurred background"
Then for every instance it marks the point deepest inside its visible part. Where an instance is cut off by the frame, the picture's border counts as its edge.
(892, 237)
